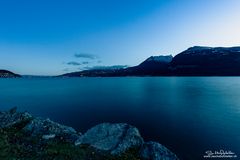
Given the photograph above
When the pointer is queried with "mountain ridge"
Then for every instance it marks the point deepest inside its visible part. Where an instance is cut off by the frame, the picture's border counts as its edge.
(195, 61)
(8, 74)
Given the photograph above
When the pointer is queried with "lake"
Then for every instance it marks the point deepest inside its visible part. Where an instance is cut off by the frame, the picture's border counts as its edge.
(189, 115)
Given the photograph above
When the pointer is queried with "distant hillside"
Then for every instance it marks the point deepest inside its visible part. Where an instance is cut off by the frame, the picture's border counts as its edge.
(154, 65)
(8, 74)
(195, 61)
(207, 61)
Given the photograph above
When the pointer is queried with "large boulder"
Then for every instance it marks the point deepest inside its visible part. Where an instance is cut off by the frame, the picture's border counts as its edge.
(48, 129)
(115, 138)
(156, 151)
(13, 118)
(37, 127)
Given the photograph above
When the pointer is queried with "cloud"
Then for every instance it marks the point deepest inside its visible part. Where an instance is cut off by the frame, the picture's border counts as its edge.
(85, 55)
(106, 67)
(85, 62)
(73, 63)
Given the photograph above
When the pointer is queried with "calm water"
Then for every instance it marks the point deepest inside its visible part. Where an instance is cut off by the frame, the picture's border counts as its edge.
(188, 115)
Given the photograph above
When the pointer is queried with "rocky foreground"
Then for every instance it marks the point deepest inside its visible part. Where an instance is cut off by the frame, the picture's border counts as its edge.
(23, 136)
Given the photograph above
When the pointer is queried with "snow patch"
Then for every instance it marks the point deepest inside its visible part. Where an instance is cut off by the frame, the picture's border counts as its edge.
(166, 59)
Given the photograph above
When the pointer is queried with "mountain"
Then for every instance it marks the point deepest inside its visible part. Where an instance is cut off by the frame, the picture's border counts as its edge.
(8, 74)
(154, 65)
(195, 61)
(207, 61)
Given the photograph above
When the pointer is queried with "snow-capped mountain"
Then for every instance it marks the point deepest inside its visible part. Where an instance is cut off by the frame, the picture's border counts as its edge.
(195, 61)
(166, 59)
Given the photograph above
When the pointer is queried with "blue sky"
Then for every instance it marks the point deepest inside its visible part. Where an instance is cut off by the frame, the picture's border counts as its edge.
(51, 37)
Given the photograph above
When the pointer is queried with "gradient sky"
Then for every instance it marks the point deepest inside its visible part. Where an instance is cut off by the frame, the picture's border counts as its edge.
(50, 37)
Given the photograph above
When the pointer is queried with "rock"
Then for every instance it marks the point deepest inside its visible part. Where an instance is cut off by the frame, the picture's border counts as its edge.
(115, 138)
(49, 136)
(156, 151)
(47, 128)
(44, 128)
(12, 118)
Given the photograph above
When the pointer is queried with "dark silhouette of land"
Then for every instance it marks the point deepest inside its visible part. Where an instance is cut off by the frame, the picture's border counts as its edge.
(195, 61)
